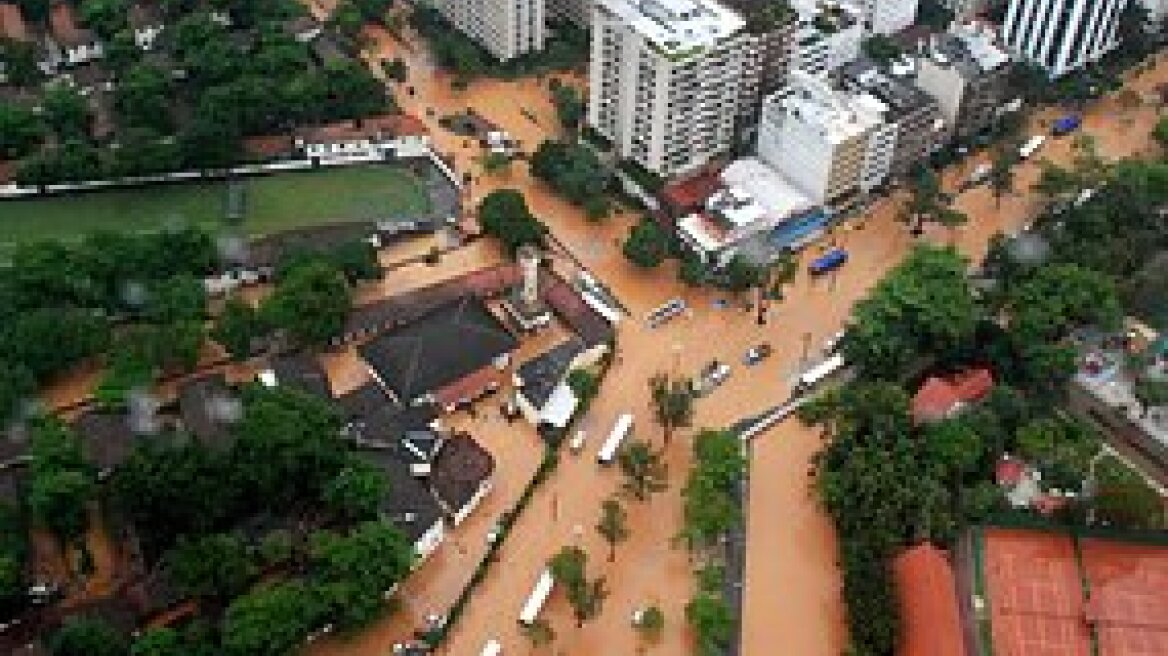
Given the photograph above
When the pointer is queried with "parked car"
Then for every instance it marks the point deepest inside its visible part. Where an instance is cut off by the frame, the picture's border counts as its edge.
(712, 375)
(757, 354)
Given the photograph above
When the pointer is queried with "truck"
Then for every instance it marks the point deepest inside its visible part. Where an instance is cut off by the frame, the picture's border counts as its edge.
(830, 261)
(818, 373)
(620, 431)
(1031, 146)
(539, 596)
(1066, 125)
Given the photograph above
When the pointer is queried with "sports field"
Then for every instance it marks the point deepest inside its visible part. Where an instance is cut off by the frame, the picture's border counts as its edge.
(276, 202)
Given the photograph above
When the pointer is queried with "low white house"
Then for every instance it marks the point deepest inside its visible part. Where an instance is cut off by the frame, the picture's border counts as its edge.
(542, 392)
(401, 135)
(147, 23)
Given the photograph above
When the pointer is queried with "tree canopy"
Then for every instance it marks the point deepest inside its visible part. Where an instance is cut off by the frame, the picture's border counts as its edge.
(647, 244)
(505, 216)
(575, 172)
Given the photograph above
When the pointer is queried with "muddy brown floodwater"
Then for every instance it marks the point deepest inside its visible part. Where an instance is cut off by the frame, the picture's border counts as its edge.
(791, 597)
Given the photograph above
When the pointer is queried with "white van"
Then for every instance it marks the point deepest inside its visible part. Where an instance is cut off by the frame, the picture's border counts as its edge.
(492, 648)
(620, 431)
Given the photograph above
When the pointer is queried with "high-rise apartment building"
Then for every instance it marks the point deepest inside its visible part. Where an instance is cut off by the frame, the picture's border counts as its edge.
(831, 144)
(506, 28)
(575, 11)
(965, 71)
(920, 130)
(1062, 35)
(888, 16)
(666, 80)
(828, 36)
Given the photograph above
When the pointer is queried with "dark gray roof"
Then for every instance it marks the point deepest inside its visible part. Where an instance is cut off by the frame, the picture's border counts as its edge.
(374, 419)
(901, 95)
(303, 372)
(208, 408)
(409, 504)
(460, 468)
(541, 374)
(106, 438)
(13, 448)
(441, 347)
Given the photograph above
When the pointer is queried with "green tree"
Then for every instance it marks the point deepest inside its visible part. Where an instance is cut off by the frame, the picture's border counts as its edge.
(143, 96)
(21, 131)
(86, 636)
(672, 403)
(106, 17)
(287, 442)
(1060, 297)
(1150, 392)
(61, 482)
(644, 469)
(652, 624)
(586, 596)
(1160, 132)
(354, 572)
(159, 641)
(613, 525)
(882, 49)
(741, 274)
(271, 621)
(311, 303)
(647, 244)
(14, 552)
(1002, 174)
(713, 623)
(1123, 499)
(17, 386)
(570, 105)
(504, 215)
(540, 633)
(584, 384)
(218, 566)
(66, 112)
(495, 163)
(575, 172)
(237, 328)
(357, 491)
(693, 271)
(922, 307)
(926, 204)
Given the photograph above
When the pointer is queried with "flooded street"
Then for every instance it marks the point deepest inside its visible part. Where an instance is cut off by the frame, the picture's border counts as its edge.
(791, 596)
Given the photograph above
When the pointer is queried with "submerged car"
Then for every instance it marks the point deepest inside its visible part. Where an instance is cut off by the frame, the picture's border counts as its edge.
(712, 375)
(757, 354)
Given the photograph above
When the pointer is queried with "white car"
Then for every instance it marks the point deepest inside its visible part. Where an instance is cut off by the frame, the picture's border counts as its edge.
(714, 374)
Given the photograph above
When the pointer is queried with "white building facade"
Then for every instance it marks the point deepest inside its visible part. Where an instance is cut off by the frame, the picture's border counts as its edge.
(888, 16)
(506, 28)
(832, 145)
(666, 80)
(1062, 36)
(826, 38)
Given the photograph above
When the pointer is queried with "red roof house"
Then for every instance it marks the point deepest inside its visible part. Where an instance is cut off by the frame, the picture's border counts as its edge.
(930, 617)
(12, 22)
(939, 397)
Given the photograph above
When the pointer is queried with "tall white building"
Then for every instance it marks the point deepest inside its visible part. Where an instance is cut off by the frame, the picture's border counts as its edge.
(828, 35)
(506, 28)
(888, 16)
(1062, 35)
(666, 80)
(831, 144)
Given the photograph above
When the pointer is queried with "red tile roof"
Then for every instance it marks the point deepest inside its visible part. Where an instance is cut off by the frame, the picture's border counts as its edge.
(1009, 471)
(267, 147)
(691, 193)
(385, 125)
(12, 22)
(940, 396)
(930, 619)
(63, 21)
(470, 387)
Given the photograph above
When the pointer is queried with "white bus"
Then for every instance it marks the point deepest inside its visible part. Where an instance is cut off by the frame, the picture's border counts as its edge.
(1031, 146)
(492, 648)
(814, 375)
(539, 596)
(620, 431)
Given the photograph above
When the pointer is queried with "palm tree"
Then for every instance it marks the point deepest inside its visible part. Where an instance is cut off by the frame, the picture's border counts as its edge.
(1002, 174)
(540, 633)
(672, 403)
(613, 525)
(645, 472)
(925, 204)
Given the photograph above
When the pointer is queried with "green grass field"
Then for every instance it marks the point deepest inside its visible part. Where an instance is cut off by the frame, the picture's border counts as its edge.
(274, 203)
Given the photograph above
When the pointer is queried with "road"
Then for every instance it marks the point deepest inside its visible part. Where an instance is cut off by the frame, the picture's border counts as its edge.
(792, 588)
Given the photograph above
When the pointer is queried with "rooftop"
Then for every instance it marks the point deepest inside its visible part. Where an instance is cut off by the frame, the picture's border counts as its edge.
(379, 128)
(836, 115)
(459, 470)
(541, 374)
(303, 372)
(939, 396)
(971, 47)
(677, 27)
(208, 408)
(145, 15)
(439, 348)
(930, 621)
(12, 24)
(775, 195)
(375, 420)
(409, 504)
(899, 95)
(1048, 592)
(106, 438)
(65, 28)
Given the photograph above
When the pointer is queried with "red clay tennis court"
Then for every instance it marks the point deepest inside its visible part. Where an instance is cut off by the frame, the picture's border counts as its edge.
(1044, 598)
